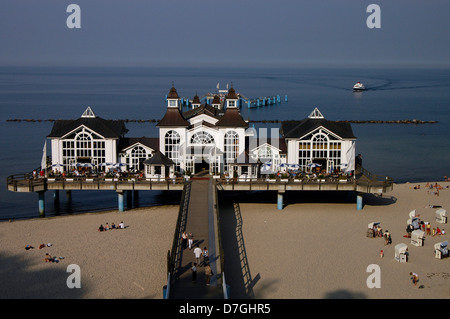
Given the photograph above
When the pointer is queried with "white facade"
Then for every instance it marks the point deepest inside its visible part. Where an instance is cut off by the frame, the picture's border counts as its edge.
(134, 155)
(82, 145)
(322, 146)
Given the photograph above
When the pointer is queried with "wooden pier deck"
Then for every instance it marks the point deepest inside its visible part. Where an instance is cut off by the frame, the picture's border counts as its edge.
(202, 223)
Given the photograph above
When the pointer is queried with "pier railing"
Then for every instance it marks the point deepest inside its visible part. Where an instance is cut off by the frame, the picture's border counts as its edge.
(174, 255)
(362, 179)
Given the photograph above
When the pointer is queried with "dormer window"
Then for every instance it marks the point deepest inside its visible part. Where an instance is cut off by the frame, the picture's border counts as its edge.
(232, 103)
(173, 103)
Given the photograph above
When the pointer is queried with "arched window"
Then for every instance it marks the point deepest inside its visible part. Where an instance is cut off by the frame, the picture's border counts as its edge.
(265, 152)
(202, 138)
(83, 144)
(319, 145)
(138, 155)
(172, 146)
(231, 146)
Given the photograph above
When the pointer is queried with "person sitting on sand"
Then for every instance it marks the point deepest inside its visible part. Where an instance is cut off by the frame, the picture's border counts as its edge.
(48, 258)
(428, 228)
(379, 231)
(438, 231)
(415, 278)
(101, 228)
(113, 226)
(28, 247)
(121, 225)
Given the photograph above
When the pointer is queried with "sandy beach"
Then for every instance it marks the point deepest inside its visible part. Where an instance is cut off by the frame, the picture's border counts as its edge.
(320, 250)
(124, 263)
(307, 250)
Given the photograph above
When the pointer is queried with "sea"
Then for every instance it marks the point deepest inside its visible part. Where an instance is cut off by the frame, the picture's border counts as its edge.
(31, 97)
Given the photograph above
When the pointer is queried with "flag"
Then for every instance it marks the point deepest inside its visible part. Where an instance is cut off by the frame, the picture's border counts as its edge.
(217, 85)
(44, 157)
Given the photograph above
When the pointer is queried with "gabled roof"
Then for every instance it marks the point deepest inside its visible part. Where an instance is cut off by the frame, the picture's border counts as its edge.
(105, 128)
(89, 113)
(173, 118)
(269, 141)
(203, 109)
(297, 129)
(315, 114)
(159, 159)
(232, 118)
(151, 142)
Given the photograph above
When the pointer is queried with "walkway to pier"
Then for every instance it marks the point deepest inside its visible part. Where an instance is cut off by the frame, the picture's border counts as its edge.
(201, 222)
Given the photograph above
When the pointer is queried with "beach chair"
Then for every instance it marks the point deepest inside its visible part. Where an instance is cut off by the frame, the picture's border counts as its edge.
(414, 222)
(441, 250)
(417, 237)
(441, 216)
(371, 229)
(401, 253)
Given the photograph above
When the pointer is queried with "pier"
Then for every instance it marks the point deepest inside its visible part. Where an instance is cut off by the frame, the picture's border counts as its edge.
(199, 214)
(362, 182)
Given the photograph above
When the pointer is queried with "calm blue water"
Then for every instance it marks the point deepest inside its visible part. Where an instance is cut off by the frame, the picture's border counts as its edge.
(405, 152)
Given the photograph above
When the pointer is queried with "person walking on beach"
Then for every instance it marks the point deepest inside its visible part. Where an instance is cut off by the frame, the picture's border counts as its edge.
(198, 254)
(194, 273)
(208, 274)
(387, 238)
(184, 237)
(190, 240)
(205, 256)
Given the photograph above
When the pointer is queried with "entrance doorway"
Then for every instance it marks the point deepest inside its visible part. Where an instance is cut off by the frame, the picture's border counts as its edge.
(201, 167)
(321, 161)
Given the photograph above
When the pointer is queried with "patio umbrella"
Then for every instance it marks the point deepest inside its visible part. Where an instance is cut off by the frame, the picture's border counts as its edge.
(119, 164)
(106, 164)
(57, 165)
(76, 164)
(314, 165)
(88, 165)
(266, 168)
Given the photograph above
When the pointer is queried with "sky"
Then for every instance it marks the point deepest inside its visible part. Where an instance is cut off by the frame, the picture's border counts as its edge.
(223, 33)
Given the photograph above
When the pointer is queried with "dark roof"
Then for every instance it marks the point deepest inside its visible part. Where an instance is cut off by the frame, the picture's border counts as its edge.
(173, 94)
(196, 99)
(232, 94)
(152, 142)
(216, 100)
(105, 128)
(159, 159)
(173, 117)
(203, 109)
(232, 118)
(296, 129)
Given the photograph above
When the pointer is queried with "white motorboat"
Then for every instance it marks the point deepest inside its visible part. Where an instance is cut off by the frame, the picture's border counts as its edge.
(359, 87)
